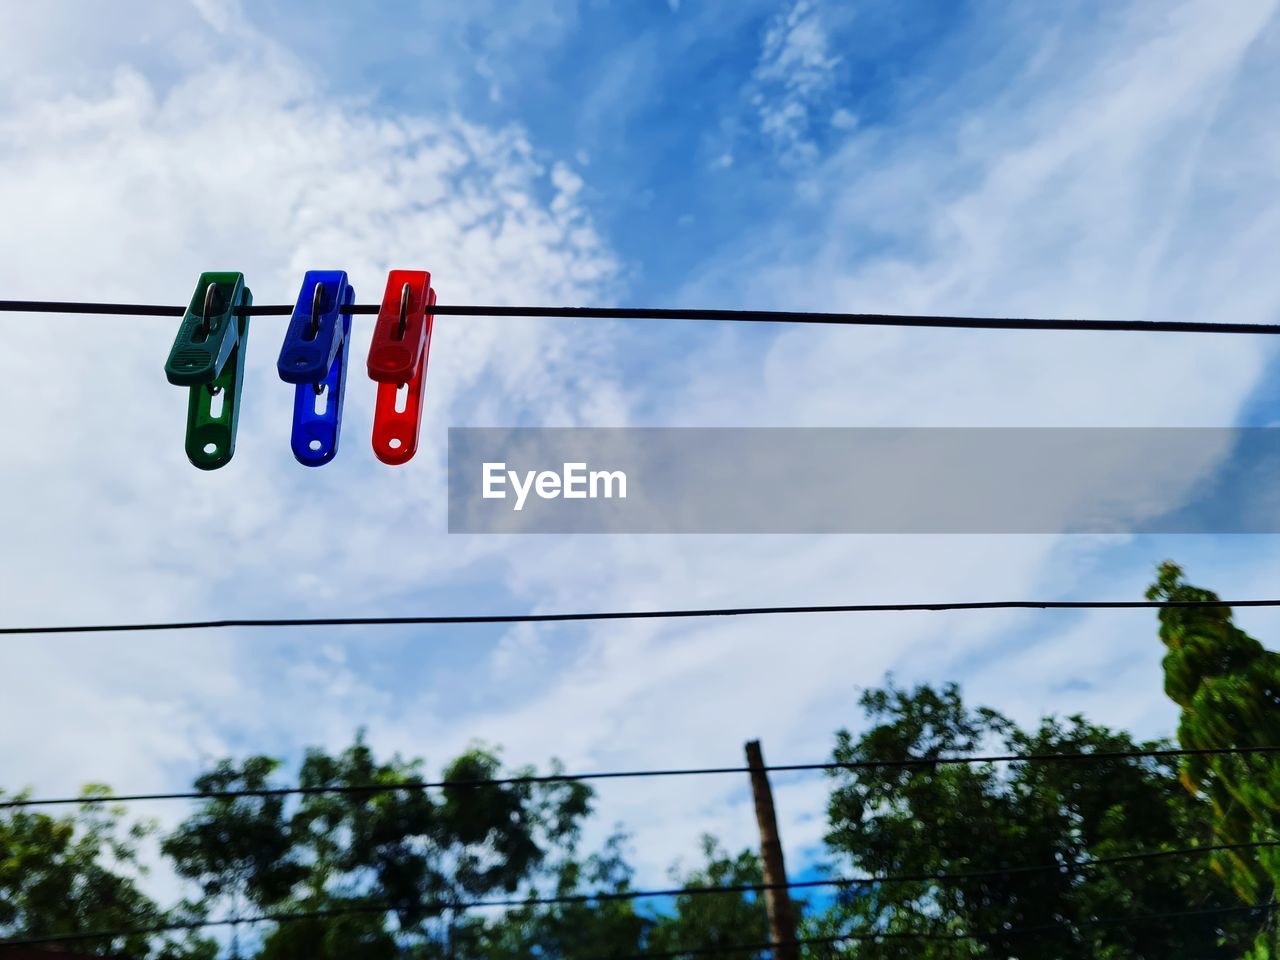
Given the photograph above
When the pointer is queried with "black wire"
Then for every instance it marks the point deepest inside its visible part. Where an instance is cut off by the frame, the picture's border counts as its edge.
(636, 615)
(875, 879)
(926, 935)
(363, 908)
(666, 313)
(898, 763)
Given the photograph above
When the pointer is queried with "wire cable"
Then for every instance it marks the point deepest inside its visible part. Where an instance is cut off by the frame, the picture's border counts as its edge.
(668, 313)
(566, 899)
(831, 765)
(494, 618)
(887, 935)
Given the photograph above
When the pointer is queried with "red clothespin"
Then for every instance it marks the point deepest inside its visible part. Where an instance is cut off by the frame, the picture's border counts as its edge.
(398, 360)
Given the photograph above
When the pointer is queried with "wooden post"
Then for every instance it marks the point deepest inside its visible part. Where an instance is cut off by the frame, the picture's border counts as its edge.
(777, 899)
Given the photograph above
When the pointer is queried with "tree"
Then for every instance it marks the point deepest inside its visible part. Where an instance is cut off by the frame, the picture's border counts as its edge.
(1228, 688)
(581, 930)
(401, 863)
(386, 868)
(991, 821)
(237, 846)
(606, 924)
(73, 874)
(708, 921)
(360, 933)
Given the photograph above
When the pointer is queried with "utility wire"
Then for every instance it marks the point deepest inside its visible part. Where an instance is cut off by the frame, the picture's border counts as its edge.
(869, 880)
(896, 763)
(458, 619)
(666, 313)
(886, 935)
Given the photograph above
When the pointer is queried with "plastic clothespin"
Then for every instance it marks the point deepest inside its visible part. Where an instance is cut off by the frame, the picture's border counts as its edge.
(314, 356)
(208, 357)
(398, 358)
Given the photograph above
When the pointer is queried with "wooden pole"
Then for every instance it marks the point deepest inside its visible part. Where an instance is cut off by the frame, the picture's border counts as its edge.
(777, 899)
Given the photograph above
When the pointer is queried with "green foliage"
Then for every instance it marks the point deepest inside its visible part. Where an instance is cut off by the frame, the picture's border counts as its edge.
(707, 921)
(567, 931)
(372, 844)
(79, 873)
(338, 937)
(1228, 687)
(406, 859)
(238, 848)
(607, 927)
(498, 836)
(986, 817)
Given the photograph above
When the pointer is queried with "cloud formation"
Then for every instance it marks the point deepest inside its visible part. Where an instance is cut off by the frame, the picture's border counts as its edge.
(796, 72)
(128, 189)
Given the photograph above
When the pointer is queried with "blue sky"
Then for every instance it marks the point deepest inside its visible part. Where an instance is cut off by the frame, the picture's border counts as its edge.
(1114, 160)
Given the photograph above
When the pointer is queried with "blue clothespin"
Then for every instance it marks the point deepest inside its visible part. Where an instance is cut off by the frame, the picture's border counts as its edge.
(314, 356)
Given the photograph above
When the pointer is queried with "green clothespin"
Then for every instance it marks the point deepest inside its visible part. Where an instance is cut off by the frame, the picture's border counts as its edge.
(208, 357)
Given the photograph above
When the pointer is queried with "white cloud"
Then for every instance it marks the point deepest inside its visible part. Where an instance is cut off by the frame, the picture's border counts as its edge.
(1101, 192)
(221, 15)
(796, 71)
(126, 192)
(843, 119)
